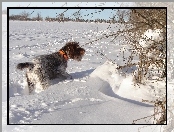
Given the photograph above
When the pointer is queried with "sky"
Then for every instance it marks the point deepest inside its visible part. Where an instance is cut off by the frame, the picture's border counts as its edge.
(105, 14)
(85, 13)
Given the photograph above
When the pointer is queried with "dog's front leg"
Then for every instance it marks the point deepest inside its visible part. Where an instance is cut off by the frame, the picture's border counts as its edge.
(68, 76)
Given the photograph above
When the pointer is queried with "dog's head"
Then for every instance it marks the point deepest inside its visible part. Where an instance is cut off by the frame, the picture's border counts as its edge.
(74, 51)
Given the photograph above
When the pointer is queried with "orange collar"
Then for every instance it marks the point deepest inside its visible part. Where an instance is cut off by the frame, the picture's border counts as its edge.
(63, 54)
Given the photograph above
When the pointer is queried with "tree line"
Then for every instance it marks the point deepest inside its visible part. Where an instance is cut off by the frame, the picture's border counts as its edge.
(25, 16)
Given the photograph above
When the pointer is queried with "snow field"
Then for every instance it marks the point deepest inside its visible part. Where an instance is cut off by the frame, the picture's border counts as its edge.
(98, 94)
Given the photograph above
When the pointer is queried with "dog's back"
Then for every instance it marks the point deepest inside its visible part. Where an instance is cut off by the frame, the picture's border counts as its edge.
(52, 64)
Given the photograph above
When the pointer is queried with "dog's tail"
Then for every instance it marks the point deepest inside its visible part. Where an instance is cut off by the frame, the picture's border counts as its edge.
(21, 66)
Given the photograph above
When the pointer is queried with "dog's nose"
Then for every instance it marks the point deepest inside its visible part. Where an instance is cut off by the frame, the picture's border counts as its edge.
(82, 52)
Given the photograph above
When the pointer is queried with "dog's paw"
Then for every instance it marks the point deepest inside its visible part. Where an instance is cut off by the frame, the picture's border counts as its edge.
(67, 76)
(70, 77)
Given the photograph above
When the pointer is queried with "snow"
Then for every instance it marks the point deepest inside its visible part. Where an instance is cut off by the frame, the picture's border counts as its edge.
(98, 93)
(149, 36)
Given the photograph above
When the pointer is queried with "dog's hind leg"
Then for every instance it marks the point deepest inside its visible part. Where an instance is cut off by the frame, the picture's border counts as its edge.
(30, 84)
(43, 79)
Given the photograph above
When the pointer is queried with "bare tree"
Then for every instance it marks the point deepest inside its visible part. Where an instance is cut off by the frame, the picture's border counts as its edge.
(77, 15)
(120, 15)
(39, 17)
(169, 5)
(24, 15)
(144, 21)
(61, 17)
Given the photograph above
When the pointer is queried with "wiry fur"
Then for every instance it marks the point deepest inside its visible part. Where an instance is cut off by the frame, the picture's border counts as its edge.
(46, 67)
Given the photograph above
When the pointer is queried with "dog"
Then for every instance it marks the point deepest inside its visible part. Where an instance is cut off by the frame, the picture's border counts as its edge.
(44, 68)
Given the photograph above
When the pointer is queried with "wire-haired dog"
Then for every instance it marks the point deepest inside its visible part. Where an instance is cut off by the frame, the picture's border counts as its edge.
(47, 67)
